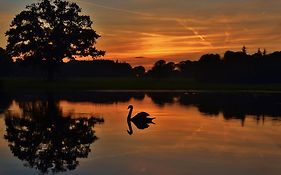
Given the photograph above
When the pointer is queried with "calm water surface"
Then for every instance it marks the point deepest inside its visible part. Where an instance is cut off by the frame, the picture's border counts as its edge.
(194, 133)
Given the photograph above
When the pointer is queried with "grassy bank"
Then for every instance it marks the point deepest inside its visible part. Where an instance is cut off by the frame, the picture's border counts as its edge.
(85, 84)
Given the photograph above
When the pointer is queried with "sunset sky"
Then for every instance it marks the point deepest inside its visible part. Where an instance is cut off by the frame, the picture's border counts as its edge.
(142, 31)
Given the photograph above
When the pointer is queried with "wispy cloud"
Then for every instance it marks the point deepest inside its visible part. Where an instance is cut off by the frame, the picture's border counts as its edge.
(169, 28)
(181, 22)
(115, 9)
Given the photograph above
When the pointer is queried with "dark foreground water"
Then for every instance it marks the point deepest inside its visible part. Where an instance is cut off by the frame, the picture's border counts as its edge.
(194, 133)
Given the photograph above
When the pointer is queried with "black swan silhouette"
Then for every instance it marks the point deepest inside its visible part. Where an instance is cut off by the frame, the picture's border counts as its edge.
(141, 120)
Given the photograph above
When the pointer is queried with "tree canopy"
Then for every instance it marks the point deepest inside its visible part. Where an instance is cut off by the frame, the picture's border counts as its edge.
(49, 31)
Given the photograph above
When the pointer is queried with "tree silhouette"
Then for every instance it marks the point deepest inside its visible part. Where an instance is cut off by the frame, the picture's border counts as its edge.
(5, 62)
(244, 49)
(258, 54)
(49, 31)
(210, 58)
(162, 69)
(139, 71)
(264, 52)
(46, 140)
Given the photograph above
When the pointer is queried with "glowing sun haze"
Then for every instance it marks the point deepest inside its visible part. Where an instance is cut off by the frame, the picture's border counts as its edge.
(142, 31)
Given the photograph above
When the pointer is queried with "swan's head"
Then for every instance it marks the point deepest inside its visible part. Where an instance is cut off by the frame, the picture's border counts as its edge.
(130, 107)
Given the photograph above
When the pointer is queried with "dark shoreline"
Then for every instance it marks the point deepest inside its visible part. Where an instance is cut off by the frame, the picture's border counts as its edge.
(129, 84)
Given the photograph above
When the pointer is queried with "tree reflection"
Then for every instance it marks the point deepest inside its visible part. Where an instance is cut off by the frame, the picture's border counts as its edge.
(46, 140)
(162, 98)
(5, 102)
(237, 106)
(232, 105)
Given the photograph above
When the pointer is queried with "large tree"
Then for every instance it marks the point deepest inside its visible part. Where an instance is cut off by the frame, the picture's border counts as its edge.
(48, 31)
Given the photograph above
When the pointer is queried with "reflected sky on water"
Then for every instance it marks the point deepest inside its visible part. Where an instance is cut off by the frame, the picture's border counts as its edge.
(194, 133)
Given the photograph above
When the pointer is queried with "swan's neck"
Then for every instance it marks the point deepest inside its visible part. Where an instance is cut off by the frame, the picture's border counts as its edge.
(130, 131)
(130, 114)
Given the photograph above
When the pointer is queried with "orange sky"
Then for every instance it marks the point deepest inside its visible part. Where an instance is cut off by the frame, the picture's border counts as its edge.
(142, 31)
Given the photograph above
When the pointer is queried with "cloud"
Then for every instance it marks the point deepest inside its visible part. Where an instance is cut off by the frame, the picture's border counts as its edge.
(181, 22)
(116, 9)
(165, 28)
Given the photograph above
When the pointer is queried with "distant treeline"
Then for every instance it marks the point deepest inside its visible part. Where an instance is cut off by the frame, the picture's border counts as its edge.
(233, 67)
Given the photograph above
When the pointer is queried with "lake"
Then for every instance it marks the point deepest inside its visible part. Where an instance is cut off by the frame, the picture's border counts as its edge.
(88, 133)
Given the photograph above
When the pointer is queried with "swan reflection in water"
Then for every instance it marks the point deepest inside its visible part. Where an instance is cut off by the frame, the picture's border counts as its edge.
(141, 120)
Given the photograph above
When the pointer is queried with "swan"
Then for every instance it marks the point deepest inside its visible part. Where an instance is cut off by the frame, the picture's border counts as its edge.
(141, 120)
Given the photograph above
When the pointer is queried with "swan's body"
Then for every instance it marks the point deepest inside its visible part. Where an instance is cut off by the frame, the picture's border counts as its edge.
(141, 120)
